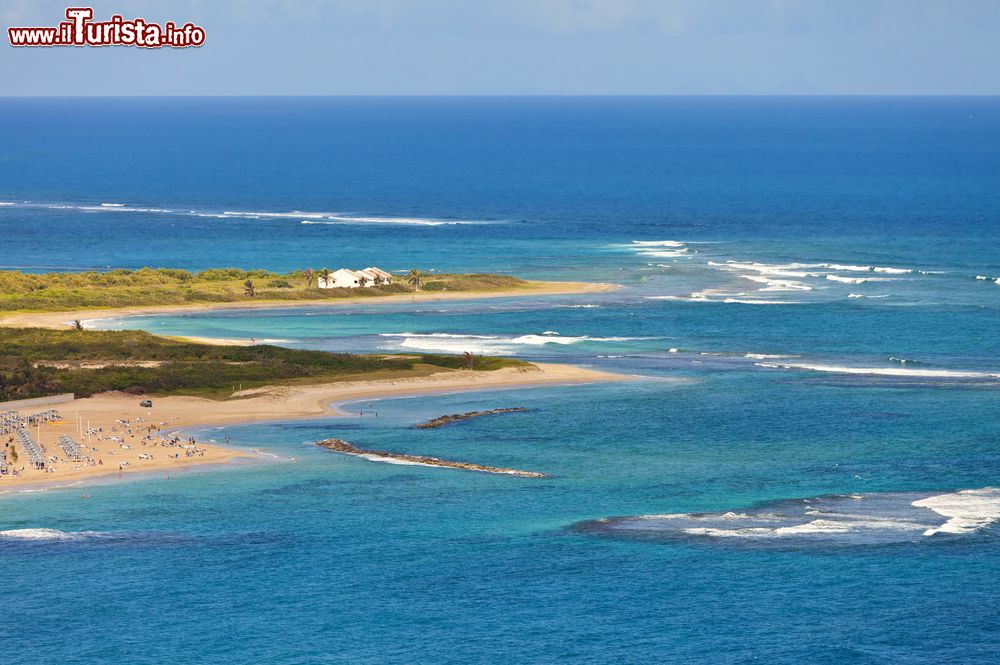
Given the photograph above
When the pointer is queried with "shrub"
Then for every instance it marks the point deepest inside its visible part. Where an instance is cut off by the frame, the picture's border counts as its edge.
(187, 367)
(162, 286)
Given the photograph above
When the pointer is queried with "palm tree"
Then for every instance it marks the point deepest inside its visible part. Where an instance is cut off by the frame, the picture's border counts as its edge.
(324, 276)
(249, 289)
(77, 324)
(378, 280)
(309, 276)
(469, 359)
(415, 278)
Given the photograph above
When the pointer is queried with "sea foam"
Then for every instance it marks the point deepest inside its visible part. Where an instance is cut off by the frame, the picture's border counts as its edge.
(304, 217)
(664, 249)
(41, 534)
(854, 519)
(495, 344)
(658, 243)
(966, 510)
(751, 301)
(856, 280)
(777, 284)
(884, 371)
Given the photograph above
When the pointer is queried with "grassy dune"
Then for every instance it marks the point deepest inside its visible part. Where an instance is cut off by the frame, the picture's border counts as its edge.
(36, 362)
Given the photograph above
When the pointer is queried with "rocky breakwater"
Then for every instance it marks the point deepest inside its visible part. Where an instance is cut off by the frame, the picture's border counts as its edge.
(446, 420)
(338, 446)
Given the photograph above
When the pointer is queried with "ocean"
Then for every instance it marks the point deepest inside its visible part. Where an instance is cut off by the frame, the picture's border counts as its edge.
(805, 468)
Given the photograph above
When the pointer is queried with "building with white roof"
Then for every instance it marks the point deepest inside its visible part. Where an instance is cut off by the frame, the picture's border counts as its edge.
(353, 279)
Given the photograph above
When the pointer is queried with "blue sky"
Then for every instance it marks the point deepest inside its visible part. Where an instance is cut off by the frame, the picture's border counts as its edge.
(331, 47)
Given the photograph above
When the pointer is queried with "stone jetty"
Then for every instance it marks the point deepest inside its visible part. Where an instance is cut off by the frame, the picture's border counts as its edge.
(445, 420)
(338, 446)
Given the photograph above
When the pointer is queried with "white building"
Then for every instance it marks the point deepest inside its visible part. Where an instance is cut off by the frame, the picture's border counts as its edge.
(353, 279)
(342, 279)
(373, 272)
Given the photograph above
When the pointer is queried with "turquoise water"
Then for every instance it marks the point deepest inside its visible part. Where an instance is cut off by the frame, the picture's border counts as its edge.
(812, 351)
(332, 557)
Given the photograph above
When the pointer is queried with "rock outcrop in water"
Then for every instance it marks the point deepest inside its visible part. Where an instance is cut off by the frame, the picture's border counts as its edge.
(446, 420)
(338, 446)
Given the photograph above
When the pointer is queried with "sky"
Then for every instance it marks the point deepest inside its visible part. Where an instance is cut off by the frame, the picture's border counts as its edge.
(526, 47)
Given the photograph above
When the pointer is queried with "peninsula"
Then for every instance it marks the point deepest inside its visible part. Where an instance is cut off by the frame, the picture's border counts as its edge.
(187, 384)
(56, 300)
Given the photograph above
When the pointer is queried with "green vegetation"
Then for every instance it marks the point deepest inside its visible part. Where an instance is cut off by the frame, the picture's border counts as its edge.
(470, 282)
(52, 292)
(36, 362)
(415, 278)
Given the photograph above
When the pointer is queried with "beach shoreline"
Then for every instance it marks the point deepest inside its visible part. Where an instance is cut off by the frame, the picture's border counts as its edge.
(112, 476)
(107, 411)
(266, 404)
(61, 319)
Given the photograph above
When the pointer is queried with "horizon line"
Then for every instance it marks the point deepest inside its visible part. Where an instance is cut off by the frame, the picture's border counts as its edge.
(504, 95)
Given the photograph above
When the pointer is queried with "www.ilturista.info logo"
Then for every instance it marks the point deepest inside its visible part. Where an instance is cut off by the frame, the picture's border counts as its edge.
(80, 30)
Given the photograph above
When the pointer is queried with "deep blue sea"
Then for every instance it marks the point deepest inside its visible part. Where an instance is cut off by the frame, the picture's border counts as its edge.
(805, 469)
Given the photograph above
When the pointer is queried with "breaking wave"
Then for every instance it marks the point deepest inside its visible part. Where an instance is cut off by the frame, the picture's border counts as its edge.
(797, 276)
(751, 301)
(728, 300)
(966, 511)
(777, 284)
(885, 371)
(856, 519)
(48, 534)
(775, 269)
(416, 221)
(304, 217)
(493, 344)
(18, 539)
(330, 218)
(664, 249)
(658, 243)
(798, 269)
(857, 280)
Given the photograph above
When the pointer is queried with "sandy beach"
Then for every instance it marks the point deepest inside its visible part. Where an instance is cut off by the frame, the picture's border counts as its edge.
(62, 319)
(120, 426)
